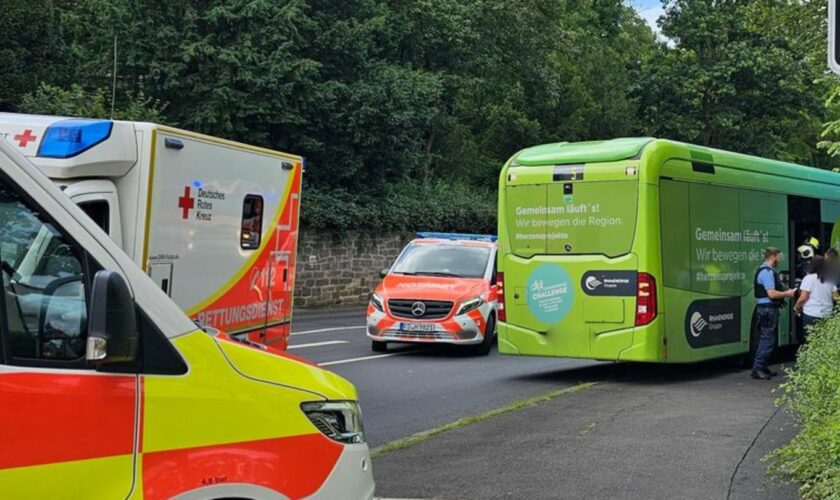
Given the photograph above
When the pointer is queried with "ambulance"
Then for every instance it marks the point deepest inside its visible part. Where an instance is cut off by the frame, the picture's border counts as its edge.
(108, 390)
(213, 222)
(441, 289)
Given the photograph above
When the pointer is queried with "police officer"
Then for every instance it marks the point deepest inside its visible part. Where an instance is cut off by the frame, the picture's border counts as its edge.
(770, 294)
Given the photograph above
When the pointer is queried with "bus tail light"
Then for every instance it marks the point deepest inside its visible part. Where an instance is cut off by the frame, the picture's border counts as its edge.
(501, 315)
(645, 299)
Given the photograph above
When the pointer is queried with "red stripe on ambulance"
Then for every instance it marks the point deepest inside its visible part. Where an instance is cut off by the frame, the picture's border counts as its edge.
(294, 466)
(49, 418)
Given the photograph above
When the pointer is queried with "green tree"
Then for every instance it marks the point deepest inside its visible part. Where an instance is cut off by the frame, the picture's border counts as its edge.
(725, 80)
(75, 101)
(33, 49)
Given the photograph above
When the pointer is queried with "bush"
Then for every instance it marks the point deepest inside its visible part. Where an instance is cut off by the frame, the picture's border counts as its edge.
(812, 393)
(408, 206)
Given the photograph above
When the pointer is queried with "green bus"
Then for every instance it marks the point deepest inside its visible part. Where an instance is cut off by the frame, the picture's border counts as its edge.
(642, 249)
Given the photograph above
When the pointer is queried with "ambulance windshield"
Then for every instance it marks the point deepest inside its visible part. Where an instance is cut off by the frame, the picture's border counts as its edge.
(444, 259)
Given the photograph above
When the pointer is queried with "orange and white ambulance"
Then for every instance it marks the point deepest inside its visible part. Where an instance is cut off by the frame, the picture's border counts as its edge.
(441, 289)
(108, 390)
(213, 222)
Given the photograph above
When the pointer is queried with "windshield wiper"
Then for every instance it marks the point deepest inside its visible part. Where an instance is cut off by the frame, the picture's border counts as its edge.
(438, 273)
(407, 273)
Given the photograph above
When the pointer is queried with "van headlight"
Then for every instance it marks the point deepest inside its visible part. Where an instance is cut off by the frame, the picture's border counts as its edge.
(469, 305)
(338, 420)
(376, 302)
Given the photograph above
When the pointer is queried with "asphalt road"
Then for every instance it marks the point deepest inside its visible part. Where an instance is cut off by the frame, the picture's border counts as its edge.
(652, 432)
(411, 389)
(642, 431)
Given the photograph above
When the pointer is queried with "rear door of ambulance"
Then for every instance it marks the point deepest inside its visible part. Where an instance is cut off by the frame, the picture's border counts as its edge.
(222, 232)
(570, 277)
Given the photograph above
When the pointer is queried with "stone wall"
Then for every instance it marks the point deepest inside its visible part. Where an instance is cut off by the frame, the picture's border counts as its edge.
(336, 269)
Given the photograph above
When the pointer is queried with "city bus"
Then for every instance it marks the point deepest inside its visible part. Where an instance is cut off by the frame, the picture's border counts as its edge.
(642, 249)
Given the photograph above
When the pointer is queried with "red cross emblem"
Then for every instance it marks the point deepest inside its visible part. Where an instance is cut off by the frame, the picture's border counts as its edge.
(186, 202)
(25, 138)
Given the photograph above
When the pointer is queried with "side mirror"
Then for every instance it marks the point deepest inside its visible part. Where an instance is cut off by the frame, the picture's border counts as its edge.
(384, 272)
(112, 328)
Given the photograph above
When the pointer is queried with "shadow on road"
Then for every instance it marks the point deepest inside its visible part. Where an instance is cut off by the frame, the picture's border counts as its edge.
(641, 373)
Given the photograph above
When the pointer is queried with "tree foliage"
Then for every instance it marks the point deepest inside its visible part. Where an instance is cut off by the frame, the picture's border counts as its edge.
(379, 95)
(734, 78)
(812, 394)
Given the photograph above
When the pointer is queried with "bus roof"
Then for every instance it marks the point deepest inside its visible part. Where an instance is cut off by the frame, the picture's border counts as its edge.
(628, 148)
(581, 152)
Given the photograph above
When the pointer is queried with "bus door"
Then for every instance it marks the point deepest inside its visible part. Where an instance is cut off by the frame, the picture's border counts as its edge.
(805, 222)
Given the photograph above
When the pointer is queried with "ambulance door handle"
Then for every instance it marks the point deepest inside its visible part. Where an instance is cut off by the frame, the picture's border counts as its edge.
(285, 275)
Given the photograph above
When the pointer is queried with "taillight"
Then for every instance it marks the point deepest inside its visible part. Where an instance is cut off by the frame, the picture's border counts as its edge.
(645, 299)
(501, 315)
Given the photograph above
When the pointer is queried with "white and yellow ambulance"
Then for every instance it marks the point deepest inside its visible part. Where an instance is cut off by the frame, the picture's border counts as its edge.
(213, 222)
(108, 390)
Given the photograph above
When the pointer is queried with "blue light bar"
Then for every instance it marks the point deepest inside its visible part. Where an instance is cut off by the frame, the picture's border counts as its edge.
(69, 138)
(458, 236)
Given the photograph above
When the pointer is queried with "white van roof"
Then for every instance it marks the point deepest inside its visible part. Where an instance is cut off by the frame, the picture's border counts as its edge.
(67, 148)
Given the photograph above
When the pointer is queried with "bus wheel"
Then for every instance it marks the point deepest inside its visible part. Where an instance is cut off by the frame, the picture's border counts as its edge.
(378, 346)
(486, 345)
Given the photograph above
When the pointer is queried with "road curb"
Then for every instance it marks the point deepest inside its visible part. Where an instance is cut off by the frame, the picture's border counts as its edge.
(475, 419)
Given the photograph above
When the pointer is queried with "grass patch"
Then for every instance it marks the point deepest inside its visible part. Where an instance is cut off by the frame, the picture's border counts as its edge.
(474, 419)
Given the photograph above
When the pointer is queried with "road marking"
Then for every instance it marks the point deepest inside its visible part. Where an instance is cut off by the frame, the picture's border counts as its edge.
(335, 329)
(317, 344)
(474, 419)
(365, 358)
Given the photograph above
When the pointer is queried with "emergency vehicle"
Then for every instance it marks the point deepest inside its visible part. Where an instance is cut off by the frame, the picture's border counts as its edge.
(108, 390)
(441, 289)
(213, 222)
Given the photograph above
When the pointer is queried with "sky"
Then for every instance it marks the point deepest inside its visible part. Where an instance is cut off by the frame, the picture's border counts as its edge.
(649, 10)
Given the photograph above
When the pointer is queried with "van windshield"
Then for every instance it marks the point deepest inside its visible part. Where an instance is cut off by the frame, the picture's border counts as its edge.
(447, 260)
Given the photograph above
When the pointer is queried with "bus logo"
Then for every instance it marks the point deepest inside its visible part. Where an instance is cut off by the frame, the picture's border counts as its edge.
(697, 324)
(711, 322)
(592, 283)
(609, 283)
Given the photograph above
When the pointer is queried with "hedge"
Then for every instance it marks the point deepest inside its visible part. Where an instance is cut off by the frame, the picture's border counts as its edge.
(812, 393)
(408, 206)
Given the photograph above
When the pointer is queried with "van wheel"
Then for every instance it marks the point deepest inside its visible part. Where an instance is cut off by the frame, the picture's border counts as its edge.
(378, 346)
(486, 345)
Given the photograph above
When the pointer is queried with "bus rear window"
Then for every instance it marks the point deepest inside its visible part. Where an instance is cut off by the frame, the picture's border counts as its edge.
(572, 217)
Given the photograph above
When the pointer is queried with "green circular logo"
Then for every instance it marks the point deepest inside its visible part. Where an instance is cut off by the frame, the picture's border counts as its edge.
(550, 293)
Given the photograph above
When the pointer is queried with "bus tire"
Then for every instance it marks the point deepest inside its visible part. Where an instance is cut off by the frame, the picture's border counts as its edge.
(378, 346)
(486, 345)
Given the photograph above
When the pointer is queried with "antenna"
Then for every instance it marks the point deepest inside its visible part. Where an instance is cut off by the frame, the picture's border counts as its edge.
(114, 83)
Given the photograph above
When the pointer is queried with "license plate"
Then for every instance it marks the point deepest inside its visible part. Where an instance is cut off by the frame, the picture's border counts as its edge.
(417, 327)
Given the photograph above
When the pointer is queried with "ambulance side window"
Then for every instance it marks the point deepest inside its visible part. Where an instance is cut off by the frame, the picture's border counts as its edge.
(99, 211)
(252, 214)
(43, 313)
